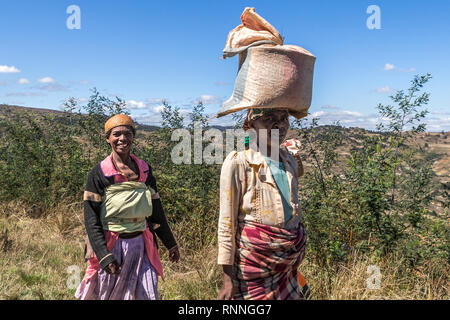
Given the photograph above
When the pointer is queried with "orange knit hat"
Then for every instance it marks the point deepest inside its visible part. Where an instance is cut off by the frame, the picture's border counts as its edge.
(118, 120)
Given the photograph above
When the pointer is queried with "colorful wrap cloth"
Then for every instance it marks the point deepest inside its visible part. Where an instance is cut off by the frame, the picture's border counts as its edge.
(266, 262)
(111, 238)
(137, 280)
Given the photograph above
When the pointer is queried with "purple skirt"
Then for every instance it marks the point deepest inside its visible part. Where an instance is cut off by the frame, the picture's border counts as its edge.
(137, 280)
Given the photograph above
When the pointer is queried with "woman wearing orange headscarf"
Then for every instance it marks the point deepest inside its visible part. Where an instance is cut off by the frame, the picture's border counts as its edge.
(122, 215)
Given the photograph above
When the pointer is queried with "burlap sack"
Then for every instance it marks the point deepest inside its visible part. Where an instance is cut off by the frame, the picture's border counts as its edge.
(271, 75)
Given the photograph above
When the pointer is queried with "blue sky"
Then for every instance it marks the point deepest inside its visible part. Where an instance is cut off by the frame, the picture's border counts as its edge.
(145, 51)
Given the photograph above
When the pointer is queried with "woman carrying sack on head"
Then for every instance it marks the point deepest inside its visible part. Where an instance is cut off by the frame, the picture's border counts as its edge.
(261, 236)
(122, 213)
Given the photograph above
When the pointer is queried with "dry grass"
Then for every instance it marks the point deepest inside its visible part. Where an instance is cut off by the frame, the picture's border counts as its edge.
(353, 280)
(37, 252)
(196, 276)
(35, 264)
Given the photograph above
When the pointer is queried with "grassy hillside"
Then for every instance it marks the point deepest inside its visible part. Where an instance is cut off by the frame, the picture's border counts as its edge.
(35, 266)
(370, 200)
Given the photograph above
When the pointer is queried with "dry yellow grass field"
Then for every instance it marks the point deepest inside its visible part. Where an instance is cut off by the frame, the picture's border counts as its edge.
(36, 255)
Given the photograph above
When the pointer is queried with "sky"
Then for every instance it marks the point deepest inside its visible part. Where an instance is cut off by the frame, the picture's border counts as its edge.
(148, 51)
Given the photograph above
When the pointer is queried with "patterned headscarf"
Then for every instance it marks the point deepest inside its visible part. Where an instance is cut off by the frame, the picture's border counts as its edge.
(255, 113)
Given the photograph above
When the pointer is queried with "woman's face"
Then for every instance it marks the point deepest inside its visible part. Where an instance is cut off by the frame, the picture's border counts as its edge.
(277, 119)
(121, 139)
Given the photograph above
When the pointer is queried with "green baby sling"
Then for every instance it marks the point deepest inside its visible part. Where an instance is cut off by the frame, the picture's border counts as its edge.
(125, 207)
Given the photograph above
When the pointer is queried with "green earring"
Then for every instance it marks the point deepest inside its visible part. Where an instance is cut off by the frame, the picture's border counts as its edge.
(247, 142)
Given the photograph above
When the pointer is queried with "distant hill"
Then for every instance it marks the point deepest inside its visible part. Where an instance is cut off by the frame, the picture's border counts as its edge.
(5, 109)
(435, 145)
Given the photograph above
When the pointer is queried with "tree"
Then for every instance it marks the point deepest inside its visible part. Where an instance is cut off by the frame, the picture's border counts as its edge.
(378, 198)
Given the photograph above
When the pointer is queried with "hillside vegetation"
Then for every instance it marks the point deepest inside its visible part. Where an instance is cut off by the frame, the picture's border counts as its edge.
(375, 203)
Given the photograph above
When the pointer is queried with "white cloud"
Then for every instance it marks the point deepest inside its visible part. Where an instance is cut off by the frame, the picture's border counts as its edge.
(46, 80)
(185, 111)
(84, 82)
(346, 118)
(132, 104)
(208, 99)
(440, 112)
(149, 119)
(388, 67)
(23, 81)
(158, 109)
(352, 113)
(8, 69)
(384, 89)
(439, 122)
(318, 114)
(154, 104)
(155, 100)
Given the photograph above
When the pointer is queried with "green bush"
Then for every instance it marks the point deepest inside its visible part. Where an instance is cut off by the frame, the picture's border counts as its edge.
(45, 158)
(189, 191)
(376, 200)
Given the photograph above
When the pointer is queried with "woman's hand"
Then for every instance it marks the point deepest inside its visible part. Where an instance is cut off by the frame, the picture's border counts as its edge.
(113, 268)
(174, 254)
(227, 291)
(292, 146)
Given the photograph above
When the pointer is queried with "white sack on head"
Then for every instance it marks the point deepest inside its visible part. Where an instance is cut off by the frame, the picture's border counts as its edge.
(271, 75)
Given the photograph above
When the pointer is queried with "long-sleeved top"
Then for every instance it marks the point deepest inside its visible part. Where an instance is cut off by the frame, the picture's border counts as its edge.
(248, 192)
(99, 178)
